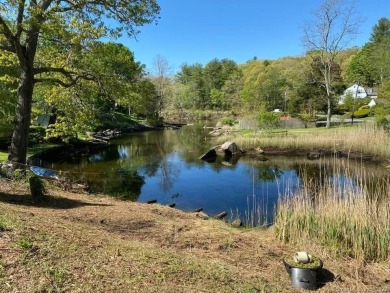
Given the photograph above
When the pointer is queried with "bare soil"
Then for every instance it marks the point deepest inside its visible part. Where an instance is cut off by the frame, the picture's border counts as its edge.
(75, 242)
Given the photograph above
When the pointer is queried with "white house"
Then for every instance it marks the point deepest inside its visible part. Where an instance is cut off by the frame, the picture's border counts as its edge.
(356, 91)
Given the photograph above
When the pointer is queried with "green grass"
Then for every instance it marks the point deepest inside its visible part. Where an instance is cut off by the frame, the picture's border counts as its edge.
(3, 156)
(117, 120)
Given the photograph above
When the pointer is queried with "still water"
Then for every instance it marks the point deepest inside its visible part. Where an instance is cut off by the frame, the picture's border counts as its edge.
(165, 165)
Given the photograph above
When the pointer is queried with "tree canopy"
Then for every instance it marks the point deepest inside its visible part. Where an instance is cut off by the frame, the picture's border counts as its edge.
(49, 37)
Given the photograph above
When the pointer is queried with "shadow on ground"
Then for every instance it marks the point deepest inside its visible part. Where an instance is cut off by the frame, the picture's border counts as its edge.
(54, 202)
(324, 276)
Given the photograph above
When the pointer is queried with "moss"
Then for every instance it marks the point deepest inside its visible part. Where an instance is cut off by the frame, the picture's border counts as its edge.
(314, 263)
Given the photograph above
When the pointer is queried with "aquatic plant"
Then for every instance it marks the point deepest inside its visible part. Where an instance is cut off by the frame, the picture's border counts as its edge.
(347, 217)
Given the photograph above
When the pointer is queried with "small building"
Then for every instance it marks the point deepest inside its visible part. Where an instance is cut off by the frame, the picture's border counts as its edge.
(356, 91)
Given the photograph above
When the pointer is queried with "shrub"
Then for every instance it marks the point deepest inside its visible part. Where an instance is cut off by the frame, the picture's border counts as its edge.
(227, 121)
(36, 187)
(155, 121)
(361, 113)
(364, 107)
(269, 120)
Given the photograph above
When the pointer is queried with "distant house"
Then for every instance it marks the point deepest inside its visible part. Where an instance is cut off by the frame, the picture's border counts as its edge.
(358, 92)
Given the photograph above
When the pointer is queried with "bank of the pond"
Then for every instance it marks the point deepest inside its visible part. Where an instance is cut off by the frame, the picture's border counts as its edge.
(75, 242)
(365, 142)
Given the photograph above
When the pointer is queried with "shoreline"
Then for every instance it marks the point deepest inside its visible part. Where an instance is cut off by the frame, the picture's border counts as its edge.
(74, 241)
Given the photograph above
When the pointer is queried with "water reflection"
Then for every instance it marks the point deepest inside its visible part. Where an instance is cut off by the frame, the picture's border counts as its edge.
(165, 165)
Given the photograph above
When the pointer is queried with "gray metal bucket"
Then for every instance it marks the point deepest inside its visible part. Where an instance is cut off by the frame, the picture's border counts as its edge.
(304, 278)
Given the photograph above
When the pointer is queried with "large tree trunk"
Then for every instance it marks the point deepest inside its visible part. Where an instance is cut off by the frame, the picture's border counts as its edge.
(18, 149)
(329, 113)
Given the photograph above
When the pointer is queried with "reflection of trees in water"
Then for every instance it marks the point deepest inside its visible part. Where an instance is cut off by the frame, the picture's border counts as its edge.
(323, 175)
(125, 184)
(268, 173)
(314, 174)
(264, 172)
(169, 173)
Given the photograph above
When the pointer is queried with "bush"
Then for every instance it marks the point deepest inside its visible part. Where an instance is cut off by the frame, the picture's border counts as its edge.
(36, 187)
(36, 135)
(269, 120)
(155, 121)
(361, 113)
(227, 121)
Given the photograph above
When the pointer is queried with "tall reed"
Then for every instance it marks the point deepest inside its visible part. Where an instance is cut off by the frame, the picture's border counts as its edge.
(367, 138)
(341, 215)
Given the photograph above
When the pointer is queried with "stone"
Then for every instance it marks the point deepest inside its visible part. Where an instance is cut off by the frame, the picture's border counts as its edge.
(237, 223)
(202, 215)
(231, 148)
(211, 154)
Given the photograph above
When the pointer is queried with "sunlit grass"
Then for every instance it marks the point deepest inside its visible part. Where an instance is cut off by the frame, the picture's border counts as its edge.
(368, 139)
(3, 156)
(340, 215)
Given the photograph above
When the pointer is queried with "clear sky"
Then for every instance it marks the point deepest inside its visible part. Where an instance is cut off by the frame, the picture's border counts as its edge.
(197, 31)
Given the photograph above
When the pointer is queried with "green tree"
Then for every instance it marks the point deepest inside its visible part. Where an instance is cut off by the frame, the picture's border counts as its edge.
(8, 85)
(117, 71)
(29, 27)
(360, 67)
(79, 108)
(250, 97)
(380, 31)
(372, 63)
(192, 76)
(384, 92)
(269, 120)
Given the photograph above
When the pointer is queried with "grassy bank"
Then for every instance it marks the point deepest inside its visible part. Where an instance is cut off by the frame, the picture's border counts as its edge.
(349, 219)
(368, 139)
(78, 243)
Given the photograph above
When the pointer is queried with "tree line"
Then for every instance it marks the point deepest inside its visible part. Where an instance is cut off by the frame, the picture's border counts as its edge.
(292, 84)
(53, 62)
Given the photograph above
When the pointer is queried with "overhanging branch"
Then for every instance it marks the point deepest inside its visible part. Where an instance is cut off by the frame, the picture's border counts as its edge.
(7, 48)
(72, 80)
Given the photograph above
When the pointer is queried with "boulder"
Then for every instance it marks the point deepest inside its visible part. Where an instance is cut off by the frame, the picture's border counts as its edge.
(231, 148)
(210, 155)
(202, 215)
(237, 223)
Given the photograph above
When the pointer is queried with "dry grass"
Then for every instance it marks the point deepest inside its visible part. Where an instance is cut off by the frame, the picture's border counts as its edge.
(346, 217)
(80, 243)
(367, 138)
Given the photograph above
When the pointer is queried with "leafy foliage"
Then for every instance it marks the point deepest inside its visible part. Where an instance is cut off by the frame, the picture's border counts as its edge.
(361, 113)
(269, 120)
(50, 40)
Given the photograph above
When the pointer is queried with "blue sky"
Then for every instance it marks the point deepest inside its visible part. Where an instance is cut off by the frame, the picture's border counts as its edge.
(197, 31)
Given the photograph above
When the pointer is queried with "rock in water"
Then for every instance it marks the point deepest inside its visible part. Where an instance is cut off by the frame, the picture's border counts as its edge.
(231, 148)
(211, 154)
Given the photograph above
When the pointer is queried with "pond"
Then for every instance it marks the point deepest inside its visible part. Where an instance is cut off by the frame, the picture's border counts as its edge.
(165, 165)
